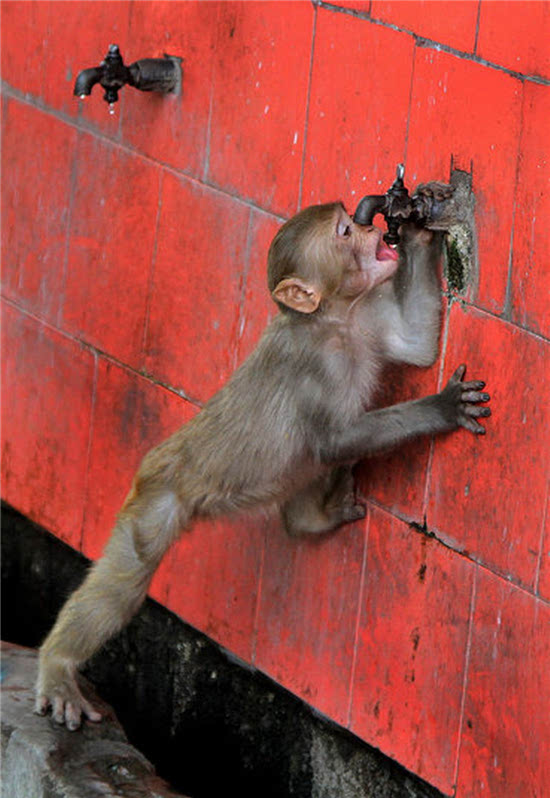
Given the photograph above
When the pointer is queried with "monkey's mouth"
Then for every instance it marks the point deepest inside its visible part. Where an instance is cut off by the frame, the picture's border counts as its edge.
(384, 251)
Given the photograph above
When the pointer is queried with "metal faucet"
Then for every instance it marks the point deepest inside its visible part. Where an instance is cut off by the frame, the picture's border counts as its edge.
(397, 206)
(148, 74)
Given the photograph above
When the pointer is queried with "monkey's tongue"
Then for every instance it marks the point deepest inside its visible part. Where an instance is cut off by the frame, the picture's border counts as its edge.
(385, 252)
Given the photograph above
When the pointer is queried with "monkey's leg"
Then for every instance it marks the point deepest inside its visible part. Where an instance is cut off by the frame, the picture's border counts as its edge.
(110, 595)
(324, 505)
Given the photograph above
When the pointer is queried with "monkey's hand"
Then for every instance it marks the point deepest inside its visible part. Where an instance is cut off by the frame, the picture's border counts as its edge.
(436, 203)
(57, 688)
(460, 402)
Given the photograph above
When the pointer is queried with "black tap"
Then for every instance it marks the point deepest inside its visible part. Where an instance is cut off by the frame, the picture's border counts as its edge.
(395, 205)
(148, 74)
(436, 208)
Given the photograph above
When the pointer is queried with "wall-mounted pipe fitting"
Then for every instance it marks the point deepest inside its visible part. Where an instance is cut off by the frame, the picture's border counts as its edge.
(436, 209)
(437, 206)
(148, 74)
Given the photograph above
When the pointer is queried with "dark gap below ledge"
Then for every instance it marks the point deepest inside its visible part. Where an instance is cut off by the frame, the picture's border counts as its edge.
(210, 724)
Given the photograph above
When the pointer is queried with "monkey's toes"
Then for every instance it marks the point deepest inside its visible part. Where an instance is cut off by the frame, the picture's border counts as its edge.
(354, 512)
(67, 712)
(41, 705)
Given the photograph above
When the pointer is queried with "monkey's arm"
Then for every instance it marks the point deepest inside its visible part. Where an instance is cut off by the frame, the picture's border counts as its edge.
(409, 312)
(385, 429)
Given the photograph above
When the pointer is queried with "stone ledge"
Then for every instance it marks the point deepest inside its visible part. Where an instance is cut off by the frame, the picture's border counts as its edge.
(43, 760)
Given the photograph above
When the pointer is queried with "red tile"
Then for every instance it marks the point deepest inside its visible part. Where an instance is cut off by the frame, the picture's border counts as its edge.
(411, 649)
(543, 585)
(308, 615)
(24, 44)
(131, 415)
(516, 35)
(464, 112)
(531, 247)
(45, 423)
(112, 235)
(450, 22)
(258, 308)
(211, 578)
(173, 128)
(198, 275)
(357, 121)
(506, 730)
(259, 101)
(93, 26)
(37, 159)
(487, 494)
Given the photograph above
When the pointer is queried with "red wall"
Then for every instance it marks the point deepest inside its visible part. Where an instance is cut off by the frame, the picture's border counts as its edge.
(134, 260)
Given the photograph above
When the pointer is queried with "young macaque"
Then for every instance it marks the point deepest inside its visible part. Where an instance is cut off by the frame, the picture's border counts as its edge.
(286, 429)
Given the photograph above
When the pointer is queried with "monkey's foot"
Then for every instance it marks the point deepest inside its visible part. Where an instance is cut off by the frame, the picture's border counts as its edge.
(353, 512)
(57, 688)
(348, 513)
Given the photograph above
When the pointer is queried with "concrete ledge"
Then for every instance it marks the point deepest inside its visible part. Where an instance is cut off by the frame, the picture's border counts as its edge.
(41, 759)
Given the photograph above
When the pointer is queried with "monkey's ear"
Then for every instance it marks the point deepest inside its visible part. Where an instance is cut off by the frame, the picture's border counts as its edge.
(297, 294)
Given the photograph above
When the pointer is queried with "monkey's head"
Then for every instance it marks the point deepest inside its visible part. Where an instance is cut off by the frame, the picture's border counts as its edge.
(321, 254)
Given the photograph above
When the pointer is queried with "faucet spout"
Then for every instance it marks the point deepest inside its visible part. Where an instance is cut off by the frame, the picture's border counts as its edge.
(86, 80)
(369, 207)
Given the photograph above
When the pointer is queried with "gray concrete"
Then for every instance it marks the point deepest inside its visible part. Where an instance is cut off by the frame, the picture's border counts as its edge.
(41, 759)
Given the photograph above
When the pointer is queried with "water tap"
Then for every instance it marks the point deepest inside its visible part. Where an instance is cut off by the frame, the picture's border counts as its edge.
(397, 206)
(148, 74)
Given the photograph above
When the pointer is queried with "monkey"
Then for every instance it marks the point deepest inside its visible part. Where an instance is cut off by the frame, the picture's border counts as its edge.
(285, 430)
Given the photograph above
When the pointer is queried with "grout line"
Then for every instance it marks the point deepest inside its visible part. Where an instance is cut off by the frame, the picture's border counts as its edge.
(208, 140)
(65, 266)
(260, 584)
(89, 450)
(358, 621)
(308, 101)
(240, 322)
(409, 110)
(507, 309)
(478, 17)
(541, 543)
(422, 41)
(428, 482)
(466, 673)
(492, 314)
(151, 281)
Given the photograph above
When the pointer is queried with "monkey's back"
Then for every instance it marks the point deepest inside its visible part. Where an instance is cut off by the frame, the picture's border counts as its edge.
(255, 441)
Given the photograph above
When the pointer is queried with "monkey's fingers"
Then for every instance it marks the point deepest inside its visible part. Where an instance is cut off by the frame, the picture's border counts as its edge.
(475, 411)
(441, 191)
(474, 395)
(459, 373)
(473, 426)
